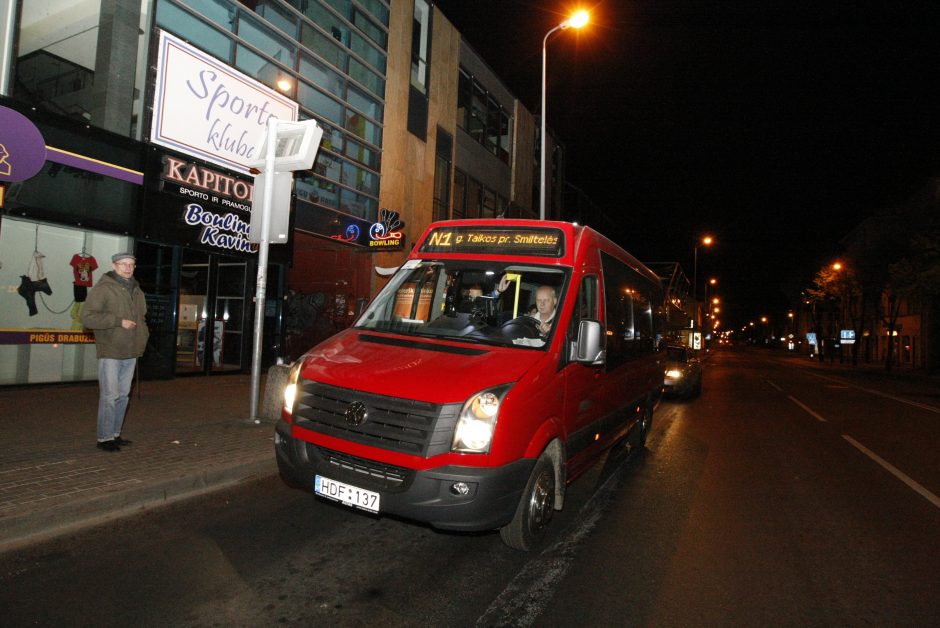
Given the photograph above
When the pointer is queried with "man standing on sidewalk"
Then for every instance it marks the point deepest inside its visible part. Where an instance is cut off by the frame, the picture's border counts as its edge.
(115, 311)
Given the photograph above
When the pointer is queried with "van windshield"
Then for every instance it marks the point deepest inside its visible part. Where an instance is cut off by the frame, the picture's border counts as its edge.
(473, 301)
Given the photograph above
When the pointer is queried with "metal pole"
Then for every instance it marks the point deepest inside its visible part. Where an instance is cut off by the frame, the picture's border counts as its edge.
(267, 201)
(7, 36)
(544, 130)
(544, 143)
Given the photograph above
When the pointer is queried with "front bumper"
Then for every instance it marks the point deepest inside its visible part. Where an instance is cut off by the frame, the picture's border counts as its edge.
(421, 495)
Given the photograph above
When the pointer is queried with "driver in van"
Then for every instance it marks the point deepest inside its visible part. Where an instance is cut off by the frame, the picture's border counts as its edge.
(545, 302)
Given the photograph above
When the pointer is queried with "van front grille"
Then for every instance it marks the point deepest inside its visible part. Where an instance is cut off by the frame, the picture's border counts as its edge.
(391, 423)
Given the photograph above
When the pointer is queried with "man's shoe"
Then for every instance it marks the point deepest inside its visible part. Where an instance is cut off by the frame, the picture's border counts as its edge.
(109, 445)
(122, 441)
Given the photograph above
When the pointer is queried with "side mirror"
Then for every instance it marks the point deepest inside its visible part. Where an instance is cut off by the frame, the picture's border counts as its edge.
(588, 348)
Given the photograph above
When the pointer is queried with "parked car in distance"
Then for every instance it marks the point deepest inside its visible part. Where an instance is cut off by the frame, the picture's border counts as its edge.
(683, 377)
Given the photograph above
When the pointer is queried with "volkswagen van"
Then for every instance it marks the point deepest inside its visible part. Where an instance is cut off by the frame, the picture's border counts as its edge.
(495, 366)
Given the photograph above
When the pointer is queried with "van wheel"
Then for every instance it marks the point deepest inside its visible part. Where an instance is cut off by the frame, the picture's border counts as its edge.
(643, 426)
(535, 508)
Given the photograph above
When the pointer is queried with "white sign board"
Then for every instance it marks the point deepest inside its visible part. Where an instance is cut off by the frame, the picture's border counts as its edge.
(209, 110)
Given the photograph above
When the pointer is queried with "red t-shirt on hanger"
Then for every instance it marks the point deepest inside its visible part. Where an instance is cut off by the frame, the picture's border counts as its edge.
(82, 267)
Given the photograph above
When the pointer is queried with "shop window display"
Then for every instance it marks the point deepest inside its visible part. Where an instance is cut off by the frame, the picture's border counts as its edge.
(45, 276)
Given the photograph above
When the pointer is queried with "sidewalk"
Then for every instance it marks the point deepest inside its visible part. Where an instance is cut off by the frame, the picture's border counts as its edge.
(190, 436)
(914, 383)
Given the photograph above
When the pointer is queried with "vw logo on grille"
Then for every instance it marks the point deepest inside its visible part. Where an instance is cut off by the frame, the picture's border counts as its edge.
(356, 413)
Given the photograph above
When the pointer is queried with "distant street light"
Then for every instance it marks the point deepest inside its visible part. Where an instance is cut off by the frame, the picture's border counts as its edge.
(579, 19)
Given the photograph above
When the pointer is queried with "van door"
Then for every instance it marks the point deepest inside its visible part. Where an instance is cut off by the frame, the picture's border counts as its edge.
(587, 400)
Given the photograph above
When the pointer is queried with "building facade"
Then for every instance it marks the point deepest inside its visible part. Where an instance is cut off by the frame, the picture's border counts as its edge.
(141, 119)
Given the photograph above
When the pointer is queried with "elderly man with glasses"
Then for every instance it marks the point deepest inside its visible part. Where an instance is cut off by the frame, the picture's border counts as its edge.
(115, 310)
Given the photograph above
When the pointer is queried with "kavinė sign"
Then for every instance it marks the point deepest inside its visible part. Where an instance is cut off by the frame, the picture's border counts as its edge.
(209, 110)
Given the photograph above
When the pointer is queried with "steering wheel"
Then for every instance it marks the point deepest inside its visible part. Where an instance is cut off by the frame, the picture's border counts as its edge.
(521, 327)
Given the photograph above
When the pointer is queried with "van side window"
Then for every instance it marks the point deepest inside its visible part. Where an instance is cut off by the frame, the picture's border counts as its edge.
(585, 306)
(627, 306)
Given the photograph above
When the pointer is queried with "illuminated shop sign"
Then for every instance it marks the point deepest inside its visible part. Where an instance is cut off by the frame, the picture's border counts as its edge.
(217, 204)
(207, 109)
(495, 240)
(384, 235)
(45, 337)
(22, 148)
(208, 184)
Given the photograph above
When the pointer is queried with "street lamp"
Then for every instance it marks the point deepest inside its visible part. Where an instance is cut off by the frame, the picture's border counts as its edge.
(579, 19)
(705, 241)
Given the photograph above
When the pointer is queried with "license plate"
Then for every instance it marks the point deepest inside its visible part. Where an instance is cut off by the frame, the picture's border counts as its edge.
(346, 493)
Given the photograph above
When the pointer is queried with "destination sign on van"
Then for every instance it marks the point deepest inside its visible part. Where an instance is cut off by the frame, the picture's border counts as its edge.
(495, 240)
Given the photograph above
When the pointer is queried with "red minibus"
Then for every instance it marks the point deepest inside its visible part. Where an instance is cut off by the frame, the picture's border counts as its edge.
(497, 364)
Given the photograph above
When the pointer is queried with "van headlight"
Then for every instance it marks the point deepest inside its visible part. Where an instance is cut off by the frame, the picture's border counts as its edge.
(477, 421)
(674, 373)
(290, 391)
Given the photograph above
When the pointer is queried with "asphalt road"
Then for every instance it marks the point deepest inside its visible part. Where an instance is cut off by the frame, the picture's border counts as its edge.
(785, 495)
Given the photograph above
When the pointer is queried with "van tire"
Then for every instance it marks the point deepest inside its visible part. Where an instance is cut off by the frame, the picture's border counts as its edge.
(535, 508)
(643, 426)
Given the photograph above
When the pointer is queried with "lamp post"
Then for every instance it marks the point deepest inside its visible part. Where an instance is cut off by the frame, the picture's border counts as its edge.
(577, 20)
(705, 241)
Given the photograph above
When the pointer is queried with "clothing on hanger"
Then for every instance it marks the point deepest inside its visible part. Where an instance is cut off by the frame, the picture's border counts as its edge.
(82, 266)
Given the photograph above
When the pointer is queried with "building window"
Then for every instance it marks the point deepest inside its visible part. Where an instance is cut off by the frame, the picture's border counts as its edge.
(489, 203)
(474, 197)
(464, 96)
(460, 194)
(263, 39)
(505, 136)
(442, 167)
(420, 46)
(482, 117)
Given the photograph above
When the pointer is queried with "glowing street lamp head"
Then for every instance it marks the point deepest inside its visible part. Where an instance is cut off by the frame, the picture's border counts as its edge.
(579, 19)
(707, 240)
(837, 266)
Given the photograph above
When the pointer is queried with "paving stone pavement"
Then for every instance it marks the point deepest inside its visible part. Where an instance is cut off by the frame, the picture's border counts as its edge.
(190, 435)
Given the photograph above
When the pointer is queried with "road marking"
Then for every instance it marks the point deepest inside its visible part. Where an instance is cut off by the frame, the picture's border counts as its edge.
(922, 406)
(805, 407)
(774, 385)
(920, 490)
(526, 596)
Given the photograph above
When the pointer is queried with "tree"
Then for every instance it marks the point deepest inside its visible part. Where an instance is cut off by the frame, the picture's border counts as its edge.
(916, 276)
(834, 298)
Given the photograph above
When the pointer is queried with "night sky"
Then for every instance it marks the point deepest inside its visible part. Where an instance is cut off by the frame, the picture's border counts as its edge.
(774, 126)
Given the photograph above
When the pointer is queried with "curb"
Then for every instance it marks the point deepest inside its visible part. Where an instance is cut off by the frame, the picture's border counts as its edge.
(45, 524)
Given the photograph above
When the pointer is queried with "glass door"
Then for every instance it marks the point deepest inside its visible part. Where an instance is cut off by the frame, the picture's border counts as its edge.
(229, 314)
(191, 341)
(212, 317)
